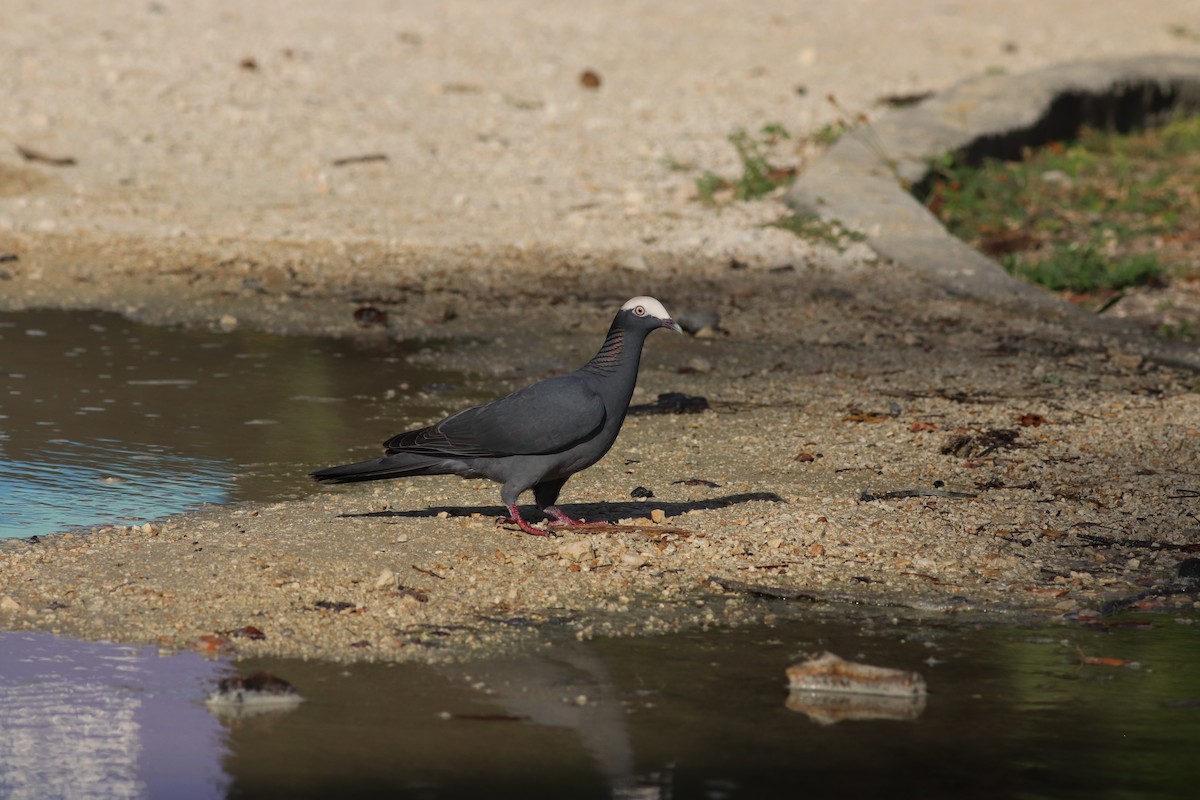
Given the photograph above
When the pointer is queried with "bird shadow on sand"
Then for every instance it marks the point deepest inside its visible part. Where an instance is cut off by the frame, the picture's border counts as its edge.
(592, 512)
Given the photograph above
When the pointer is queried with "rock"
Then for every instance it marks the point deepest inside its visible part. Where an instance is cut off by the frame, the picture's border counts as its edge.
(694, 322)
(576, 550)
(634, 560)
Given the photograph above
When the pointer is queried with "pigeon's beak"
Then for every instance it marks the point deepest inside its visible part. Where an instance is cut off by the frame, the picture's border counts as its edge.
(672, 324)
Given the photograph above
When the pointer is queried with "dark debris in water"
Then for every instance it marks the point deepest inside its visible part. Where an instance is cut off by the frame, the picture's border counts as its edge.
(251, 695)
(256, 682)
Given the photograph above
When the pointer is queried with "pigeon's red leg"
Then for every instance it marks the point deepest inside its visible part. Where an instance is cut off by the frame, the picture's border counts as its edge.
(562, 520)
(514, 518)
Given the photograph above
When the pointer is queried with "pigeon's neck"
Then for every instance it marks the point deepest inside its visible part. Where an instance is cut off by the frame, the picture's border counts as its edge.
(620, 353)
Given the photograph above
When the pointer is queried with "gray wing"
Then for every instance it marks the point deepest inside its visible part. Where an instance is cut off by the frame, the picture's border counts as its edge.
(546, 417)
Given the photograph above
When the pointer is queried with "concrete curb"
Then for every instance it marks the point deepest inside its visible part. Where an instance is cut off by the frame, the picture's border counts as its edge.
(862, 180)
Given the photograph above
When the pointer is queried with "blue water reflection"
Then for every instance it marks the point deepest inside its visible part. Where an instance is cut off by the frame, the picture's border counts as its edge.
(105, 421)
(73, 484)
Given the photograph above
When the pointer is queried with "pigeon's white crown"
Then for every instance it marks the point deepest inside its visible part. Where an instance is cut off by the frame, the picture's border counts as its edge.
(649, 304)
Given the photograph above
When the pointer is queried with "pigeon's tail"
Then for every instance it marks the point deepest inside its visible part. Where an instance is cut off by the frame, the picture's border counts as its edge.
(395, 466)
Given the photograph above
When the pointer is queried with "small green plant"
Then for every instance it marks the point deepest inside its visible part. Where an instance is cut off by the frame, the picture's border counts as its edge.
(813, 228)
(830, 132)
(759, 176)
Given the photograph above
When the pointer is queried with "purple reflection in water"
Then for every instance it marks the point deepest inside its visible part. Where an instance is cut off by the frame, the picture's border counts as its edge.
(84, 720)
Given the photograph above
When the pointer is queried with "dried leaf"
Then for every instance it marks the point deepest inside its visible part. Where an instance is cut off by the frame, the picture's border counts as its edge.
(212, 645)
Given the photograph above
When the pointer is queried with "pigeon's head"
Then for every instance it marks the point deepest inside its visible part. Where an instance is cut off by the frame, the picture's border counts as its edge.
(647, 313)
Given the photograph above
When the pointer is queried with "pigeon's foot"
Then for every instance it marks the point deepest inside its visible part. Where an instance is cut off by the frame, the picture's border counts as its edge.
(514, 518)
(560, 519)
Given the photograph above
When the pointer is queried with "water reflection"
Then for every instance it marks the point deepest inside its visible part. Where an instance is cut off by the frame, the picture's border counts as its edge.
(107, 481)
(84, 720)
(134, 422)
(1011, 714)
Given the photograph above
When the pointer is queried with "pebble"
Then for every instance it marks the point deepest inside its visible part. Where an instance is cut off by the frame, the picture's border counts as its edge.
(576, 550)
(634, 560)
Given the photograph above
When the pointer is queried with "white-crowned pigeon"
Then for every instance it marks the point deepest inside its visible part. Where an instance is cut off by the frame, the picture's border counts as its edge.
(537, 437)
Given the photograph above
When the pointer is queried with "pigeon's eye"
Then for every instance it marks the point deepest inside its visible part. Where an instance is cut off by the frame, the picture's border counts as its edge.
(640, 311)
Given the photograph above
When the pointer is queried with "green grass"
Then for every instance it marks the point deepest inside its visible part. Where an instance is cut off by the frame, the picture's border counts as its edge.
(1088, 216)
(1085, 269)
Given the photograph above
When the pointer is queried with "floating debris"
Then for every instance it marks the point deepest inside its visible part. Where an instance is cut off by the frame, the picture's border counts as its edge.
(829, 689)
(829, 673)
(252, 695)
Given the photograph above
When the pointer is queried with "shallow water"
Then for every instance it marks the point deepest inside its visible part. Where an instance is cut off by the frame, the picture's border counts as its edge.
(1010, 713)
(103, 420)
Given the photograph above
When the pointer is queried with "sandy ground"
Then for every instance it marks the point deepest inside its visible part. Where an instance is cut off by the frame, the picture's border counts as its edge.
(516, 207)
